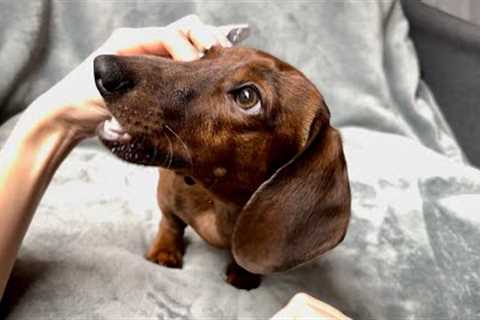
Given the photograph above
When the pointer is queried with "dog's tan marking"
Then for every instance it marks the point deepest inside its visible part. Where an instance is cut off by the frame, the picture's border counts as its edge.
(219, 172)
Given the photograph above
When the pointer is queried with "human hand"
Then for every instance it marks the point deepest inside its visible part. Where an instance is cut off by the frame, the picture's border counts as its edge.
(74, 104)
(304, 306)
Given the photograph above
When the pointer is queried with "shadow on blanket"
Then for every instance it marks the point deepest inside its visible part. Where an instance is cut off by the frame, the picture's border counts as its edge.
(25, 274)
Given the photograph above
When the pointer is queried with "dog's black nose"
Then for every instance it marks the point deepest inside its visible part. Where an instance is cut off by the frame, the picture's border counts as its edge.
(111, 76)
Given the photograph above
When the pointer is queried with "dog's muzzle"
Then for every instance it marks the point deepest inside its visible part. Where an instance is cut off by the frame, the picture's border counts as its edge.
(111, 79)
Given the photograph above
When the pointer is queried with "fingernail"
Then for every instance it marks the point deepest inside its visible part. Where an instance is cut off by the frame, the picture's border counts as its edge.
(235, 33)
(209, 46)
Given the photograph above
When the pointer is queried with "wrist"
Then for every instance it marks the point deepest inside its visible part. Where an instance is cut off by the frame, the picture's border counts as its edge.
(74, 119)
(40, 145)
(28, 161)
(45, 145)
(32, 134)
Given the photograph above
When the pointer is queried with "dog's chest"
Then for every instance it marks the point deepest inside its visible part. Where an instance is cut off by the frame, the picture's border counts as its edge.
(210, 218)
(212, 226)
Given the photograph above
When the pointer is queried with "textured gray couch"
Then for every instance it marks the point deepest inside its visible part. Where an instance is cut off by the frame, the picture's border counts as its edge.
(449, 53)
(412, 249)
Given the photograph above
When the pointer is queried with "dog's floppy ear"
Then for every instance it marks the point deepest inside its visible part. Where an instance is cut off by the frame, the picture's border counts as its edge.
(302, 211)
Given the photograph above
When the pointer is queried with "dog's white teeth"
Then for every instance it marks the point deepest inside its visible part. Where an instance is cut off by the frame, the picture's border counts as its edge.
(112, 130)
(114, 125)
(125, 137)
(108, 134)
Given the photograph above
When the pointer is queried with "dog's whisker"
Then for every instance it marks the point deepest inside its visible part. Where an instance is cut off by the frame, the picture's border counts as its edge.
(155, 153)
(170, 151)
(184, 145)
(170, 154)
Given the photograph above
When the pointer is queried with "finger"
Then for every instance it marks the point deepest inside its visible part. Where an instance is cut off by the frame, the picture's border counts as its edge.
(291, 311)
(140, 41)
(155, 41)
(197, 32)
(300, 313)
(99, 108)
(179, 47)
(135, 41)
(151, 40)
(220, 36)
(202, 38)
(304, 306)
(318, 305)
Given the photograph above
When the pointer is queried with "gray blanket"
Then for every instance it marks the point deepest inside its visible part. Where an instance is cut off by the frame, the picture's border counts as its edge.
(412, 246)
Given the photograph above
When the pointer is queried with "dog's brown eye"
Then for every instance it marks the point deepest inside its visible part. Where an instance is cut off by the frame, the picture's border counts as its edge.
(247, 97)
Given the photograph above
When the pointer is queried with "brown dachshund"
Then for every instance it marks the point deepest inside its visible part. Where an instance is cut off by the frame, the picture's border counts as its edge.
(247, 154)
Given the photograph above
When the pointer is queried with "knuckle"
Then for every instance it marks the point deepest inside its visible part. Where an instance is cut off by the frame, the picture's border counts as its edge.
(190, 22)
(300, 297)
(192, 18)
(170, 34)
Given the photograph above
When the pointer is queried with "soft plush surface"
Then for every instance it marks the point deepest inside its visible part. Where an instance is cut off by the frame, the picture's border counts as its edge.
(412, 246)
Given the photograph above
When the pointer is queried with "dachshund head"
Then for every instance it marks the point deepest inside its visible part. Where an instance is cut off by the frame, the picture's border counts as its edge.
(251, 129)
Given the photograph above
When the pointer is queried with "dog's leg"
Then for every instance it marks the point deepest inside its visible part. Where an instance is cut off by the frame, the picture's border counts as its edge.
(168, 247)
(241, 278)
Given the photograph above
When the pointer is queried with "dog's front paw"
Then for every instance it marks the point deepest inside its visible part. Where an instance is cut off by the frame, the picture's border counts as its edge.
(241, 278)
(167, 258)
